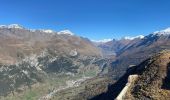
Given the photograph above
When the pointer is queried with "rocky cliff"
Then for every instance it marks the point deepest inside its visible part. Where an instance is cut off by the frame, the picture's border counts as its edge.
(147, 81)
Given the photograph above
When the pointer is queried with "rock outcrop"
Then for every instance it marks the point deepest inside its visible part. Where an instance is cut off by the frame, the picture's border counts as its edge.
(147, 81)
(130, 83)
(153, 82)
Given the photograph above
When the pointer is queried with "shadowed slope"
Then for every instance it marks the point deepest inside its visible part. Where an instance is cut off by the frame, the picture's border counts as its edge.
(153, 81)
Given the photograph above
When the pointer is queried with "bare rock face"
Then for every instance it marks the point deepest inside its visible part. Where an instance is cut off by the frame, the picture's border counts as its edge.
(73, 53)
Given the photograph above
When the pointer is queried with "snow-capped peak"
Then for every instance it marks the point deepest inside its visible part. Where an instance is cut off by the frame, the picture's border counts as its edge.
(16, 26)
(163, 32)
(102, 41)
(166, 30)
(132, 38)
(68, 32)
(3, 26)
(47, 31)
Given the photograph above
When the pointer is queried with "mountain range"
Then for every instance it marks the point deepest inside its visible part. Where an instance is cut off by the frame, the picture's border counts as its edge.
(37, 64)
(42, 60)
(129, 52)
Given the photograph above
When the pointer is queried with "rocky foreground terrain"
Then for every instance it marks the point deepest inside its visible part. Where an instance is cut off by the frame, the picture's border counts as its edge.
(147, 81)
(153, 79)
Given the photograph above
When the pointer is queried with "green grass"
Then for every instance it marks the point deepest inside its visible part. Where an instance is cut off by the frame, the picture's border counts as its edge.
(31, 95)
(51, 82)
(90, 73)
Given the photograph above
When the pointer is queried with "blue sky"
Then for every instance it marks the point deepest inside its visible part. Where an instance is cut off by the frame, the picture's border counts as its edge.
(95, 19)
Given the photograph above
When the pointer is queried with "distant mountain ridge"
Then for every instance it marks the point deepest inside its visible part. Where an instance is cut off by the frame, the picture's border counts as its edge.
(133, 52)
(119, 46)
(16, 37)
(17, 26)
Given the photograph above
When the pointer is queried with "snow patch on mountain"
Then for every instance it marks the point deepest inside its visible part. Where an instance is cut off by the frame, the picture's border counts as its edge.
(166, 30)
(68, 32)
(132, 38)
(47, 31)
(102, 41)
(16, 26)
(163, 32)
